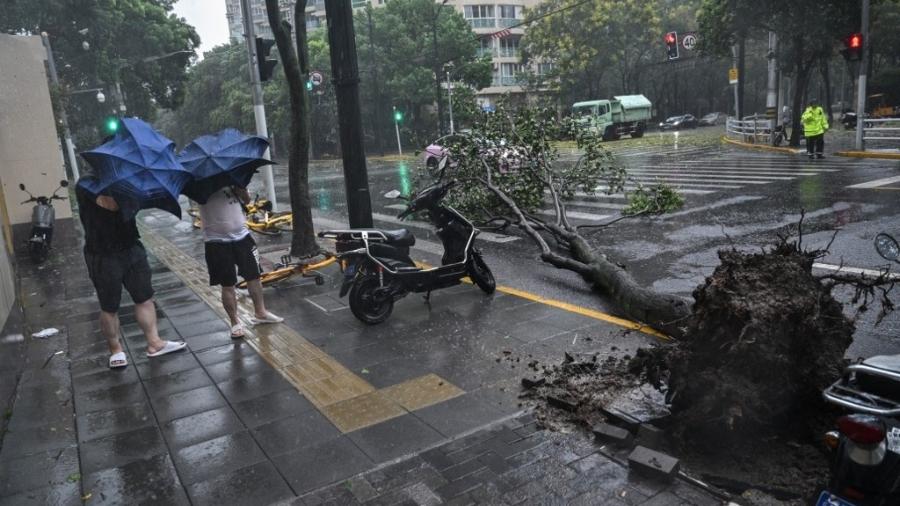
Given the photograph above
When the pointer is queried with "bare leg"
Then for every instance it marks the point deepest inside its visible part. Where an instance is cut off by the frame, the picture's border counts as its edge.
(109, 327)
(145, 312)
(256, 294)
(229, 301)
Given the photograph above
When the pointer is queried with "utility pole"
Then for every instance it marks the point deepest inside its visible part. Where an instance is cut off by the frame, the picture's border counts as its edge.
(259, 110)
(861, 91)
(437, 68)
(734, 65)
(67, 135)
(397, 129)
(342, 41)
(379, 106)
(772, 83)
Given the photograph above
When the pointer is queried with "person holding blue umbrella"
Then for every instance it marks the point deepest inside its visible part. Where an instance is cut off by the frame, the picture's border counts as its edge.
(221, 166)
(120, 181)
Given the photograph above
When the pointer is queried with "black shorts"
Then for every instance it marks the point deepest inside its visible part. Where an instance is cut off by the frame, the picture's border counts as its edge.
(222, 257)
(111, 271)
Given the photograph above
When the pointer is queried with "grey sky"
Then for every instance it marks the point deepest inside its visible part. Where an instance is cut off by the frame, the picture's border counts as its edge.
(208, 17)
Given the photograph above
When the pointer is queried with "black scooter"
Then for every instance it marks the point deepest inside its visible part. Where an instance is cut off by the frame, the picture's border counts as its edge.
(42, 218)
(377, 267)
(865, 459)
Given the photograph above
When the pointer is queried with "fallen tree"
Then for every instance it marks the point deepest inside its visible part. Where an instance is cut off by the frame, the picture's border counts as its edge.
(512, 170)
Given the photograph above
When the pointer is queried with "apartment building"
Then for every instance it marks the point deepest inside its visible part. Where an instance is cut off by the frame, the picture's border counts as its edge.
(486, 18)
(258, 15)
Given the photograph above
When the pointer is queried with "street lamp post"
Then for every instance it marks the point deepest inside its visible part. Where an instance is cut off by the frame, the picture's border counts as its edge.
(397, 129)
(450, 101)
(67, 134)
(437, 70)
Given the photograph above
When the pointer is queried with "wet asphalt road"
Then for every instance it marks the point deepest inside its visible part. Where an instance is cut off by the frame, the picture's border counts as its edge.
(733, 197)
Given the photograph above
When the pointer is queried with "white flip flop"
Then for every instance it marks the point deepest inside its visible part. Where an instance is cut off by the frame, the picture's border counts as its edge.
(270, 318)
(170, 347)
(237, 331)
(118, 360)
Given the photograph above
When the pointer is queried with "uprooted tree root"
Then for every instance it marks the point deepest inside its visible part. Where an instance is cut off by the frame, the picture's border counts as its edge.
(744, 384)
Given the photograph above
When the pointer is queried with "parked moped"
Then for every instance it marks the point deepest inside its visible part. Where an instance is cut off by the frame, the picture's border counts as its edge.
(42, 218)
(865, 464)
(376, 264)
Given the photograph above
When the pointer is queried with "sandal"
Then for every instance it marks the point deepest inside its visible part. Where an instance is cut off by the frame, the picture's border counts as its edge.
(237, 331)
(118, 360)
(170, 347)
(269, 318)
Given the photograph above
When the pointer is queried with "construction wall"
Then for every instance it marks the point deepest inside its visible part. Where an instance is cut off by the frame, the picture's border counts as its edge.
(29, 149)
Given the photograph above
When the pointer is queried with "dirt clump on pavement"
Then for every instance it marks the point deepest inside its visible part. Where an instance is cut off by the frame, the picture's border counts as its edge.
(744, 387)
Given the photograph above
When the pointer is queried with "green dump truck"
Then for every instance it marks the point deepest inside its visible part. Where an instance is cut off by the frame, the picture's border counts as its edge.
(623, 115)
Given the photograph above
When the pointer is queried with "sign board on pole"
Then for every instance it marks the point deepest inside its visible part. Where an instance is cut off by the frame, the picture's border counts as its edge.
(689, 40)
(316, 78)
(732, 76)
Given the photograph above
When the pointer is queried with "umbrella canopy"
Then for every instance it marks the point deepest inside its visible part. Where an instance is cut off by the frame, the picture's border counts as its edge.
(138, 168)
(228, 158)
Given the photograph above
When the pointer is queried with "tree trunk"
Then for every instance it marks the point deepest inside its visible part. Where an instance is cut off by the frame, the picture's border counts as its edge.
(801, 77)
(742, 54)
(826, 77)
(303, 242)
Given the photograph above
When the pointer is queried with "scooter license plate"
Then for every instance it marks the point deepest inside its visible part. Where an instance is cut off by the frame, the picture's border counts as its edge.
(828, 499)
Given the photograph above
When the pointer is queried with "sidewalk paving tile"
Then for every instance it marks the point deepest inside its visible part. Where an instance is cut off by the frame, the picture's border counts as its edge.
(109, 398)
(230, 351)
(217, 457)
(98, 424)
(65, 494)
(120, 449)
(334, 461)
(254, 485)
(249, 387)
(238, 368)
(458, 415)
(148, 481)
(397, 437)
(104, 379)
(35, 439)
(362, 411)
(200, 427)
(301, 430)
(166, 364)
(270, 407)
(38, 470)
(189, 402)
(162, 386)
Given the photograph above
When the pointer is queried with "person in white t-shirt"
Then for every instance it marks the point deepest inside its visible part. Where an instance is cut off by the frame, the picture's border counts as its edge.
(229, 245)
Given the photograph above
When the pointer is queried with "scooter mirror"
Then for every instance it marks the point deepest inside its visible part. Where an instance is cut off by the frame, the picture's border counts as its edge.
(21, 186)
(887, 247)
(64, 183)
(393, 194)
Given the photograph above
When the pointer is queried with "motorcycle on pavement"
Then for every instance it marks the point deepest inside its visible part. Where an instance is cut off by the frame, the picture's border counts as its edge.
(42, 218)
(376, 264)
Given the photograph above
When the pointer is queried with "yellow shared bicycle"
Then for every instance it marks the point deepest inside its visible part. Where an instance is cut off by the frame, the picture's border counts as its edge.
(288, 268)
(260, 218)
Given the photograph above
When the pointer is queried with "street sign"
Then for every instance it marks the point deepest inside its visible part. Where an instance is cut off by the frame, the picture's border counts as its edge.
(316, 78)
(732, 76)
(689, 40)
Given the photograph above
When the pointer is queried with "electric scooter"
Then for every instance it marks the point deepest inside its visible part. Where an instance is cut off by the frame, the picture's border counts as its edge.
(42, 217)
(865, 463)
(376, 264)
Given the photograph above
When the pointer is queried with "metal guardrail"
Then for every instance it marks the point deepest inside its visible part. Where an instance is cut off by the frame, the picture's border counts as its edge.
(756, 129)
(882, 130)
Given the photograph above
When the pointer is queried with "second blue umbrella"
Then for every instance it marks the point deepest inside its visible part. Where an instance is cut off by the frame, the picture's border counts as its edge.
(228, 158)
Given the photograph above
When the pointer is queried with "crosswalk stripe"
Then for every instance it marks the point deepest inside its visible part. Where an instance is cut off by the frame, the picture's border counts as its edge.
(714, 177)
(729, 170)
(576, 214)
(877, 182)
(855, 270)
(689, 191)
(709, 176)
(681, 183)
(597, 205)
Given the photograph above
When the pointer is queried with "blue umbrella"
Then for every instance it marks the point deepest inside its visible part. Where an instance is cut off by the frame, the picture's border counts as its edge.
(138, 168)
(228, 158)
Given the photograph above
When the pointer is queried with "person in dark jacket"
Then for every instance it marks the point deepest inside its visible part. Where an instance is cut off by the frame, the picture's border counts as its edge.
(115, 258)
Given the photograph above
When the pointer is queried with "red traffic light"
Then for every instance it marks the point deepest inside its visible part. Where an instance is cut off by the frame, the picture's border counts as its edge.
(855, 41)
(670, 38)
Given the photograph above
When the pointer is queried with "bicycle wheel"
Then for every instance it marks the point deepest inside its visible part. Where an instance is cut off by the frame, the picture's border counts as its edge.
(271, 277)
(285, 224)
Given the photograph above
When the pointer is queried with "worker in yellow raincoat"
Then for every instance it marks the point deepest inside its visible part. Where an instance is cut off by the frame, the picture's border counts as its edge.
(815, 124)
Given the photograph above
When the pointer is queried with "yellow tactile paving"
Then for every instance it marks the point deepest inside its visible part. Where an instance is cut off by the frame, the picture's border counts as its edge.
(422, 392)
(349, 401)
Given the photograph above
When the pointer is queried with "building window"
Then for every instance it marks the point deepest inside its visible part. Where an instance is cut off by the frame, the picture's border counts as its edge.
(359, 3)
(544, 68)
(509, 15)
(508, 75)
(509, 47)
(487, 47)
(312, 23)
(480, 16)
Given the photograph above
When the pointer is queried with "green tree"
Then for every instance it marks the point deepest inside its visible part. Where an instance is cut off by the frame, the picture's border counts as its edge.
(125, 39)
(405, 61)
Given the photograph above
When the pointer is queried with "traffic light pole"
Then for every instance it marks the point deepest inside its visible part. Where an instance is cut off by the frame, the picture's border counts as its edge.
(342, 41)
(397, 129)
(67, 135)
(861, 87)
(259, 110)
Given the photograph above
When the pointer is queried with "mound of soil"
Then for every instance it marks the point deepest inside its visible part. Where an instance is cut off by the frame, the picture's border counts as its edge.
(765, 339)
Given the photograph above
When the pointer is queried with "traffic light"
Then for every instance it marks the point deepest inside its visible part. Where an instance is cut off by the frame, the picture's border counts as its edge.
(111, 125)
(671, 39)
(398, 116)
(309, 85)
(266, 65)
(854, 46)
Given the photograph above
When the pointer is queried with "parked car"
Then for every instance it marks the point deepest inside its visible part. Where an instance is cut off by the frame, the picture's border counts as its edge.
(510, 156)
(679, 122)
(712, 119)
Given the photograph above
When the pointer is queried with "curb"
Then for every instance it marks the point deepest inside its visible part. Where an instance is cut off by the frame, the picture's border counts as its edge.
(790, 151)
(869, 154)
